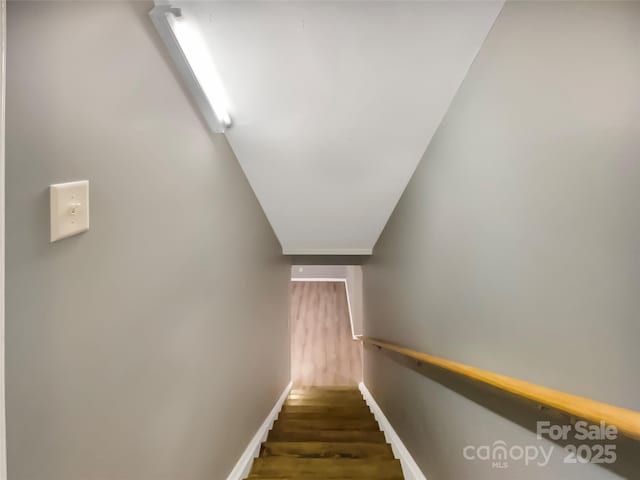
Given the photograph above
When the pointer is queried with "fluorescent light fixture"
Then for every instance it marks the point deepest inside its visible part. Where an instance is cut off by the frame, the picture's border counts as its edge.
(191, 55)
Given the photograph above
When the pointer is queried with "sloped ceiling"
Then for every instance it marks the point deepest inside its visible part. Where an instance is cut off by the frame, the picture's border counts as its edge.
(334, 103)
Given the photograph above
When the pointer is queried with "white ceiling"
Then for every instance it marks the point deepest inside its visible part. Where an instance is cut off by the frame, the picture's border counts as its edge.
(334, 103)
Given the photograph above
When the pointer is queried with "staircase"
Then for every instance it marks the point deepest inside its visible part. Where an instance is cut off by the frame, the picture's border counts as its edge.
(326, 433)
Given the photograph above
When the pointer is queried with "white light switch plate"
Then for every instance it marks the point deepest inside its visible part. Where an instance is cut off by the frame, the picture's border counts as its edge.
(69, 209)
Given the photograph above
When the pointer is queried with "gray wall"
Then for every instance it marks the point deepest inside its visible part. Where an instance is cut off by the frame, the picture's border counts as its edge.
(153, 346)
(516, 246)
(319, 271)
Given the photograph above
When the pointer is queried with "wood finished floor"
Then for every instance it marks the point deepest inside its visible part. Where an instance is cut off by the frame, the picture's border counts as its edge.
(322, 349)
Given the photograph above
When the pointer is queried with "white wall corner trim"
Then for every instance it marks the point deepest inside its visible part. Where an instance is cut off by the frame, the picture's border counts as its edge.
(410, 468)
(327, 251)
(346, 290)
(243, 466)
(3, 40)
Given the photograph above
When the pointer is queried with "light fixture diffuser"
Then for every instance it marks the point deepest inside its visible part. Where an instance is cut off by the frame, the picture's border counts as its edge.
(191, 56)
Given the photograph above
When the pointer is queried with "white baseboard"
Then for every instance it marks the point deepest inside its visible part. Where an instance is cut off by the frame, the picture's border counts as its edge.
(410, 468)
(243, 466)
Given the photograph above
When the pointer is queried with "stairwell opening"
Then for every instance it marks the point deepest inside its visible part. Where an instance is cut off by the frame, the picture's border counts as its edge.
(325, 317)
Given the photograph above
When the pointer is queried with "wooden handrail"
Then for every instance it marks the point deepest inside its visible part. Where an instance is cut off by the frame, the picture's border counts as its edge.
(626, 421)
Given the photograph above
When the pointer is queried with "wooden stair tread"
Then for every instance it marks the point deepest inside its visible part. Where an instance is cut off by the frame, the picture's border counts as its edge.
(325, 433)
(326, 449)
(328, 409)
(328, 388)
(319, 402)
(337, 396)
(387, 469)
(331, 391)
(326, 394)
(347, 423)
(328, 436)
(359, 414)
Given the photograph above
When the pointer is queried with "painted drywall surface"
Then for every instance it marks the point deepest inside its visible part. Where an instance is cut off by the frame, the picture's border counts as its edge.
(515, 245)
(153, 346)
(374, 77)
(319, 271)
